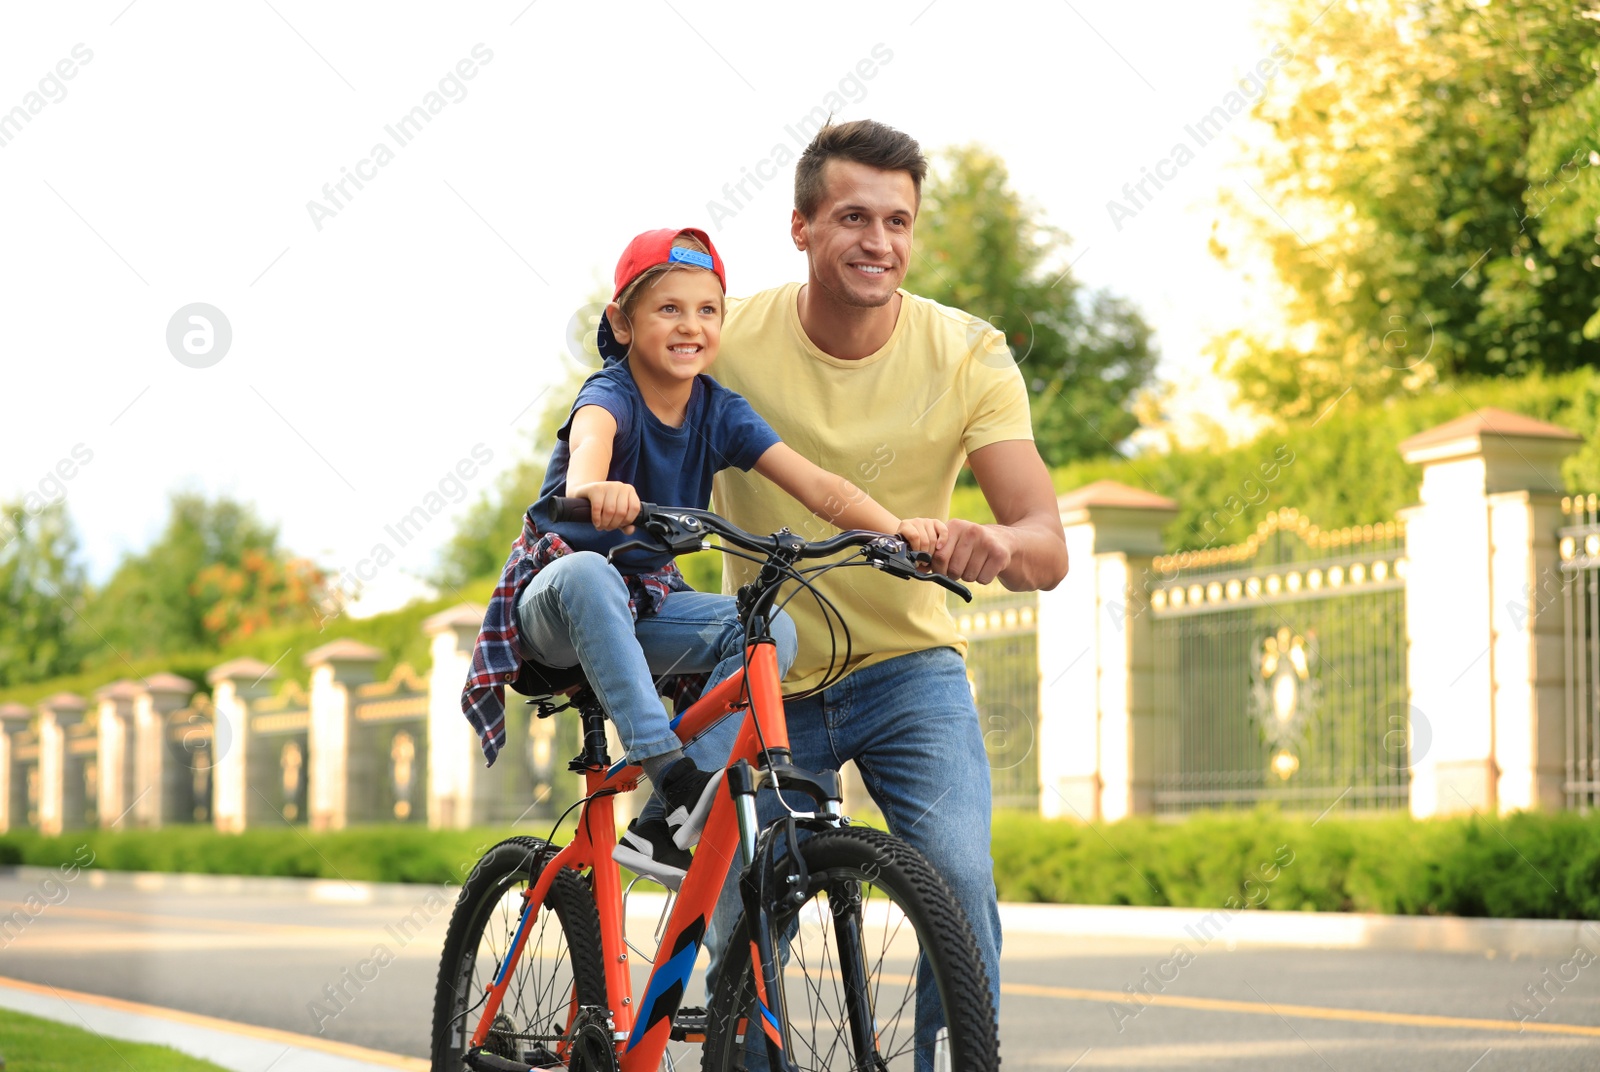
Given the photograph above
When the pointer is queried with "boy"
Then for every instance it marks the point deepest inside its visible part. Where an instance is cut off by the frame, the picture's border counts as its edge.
(649, 425)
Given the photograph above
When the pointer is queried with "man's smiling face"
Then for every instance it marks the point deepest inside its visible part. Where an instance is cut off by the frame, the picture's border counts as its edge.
(859, 239)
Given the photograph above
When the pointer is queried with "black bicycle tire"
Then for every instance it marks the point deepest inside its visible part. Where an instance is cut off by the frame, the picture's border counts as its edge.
(499, 868)
(928, 903)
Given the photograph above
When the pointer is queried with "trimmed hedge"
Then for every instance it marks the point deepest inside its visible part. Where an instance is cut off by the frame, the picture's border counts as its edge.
(1529, 865)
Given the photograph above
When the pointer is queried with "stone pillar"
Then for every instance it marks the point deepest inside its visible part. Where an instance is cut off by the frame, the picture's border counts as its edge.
(340, 787)
(1483, 614)
(57, 799)
(156, 698)
(1096, 672)
(14, 719)
(115, 755)
(235, 685)
(454, 759)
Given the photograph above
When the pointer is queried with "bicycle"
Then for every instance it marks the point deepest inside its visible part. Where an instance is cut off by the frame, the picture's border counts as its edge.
(534, 972)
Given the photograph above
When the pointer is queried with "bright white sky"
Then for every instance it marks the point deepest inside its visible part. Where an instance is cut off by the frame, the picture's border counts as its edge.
(427, 316)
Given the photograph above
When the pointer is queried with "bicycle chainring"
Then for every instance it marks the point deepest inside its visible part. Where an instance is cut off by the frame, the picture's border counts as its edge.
(593, 1049)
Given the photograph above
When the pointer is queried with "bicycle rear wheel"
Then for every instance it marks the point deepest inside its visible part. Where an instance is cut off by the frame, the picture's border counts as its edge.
(561, 967)
(875, 904)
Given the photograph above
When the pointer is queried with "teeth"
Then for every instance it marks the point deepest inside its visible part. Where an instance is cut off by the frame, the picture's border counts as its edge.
(871, 269)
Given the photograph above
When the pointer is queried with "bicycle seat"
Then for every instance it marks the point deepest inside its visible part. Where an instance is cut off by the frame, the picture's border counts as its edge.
(537, 679)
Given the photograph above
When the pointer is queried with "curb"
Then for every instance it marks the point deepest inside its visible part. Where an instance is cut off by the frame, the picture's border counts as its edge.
(240, 1047)
(1305, 930)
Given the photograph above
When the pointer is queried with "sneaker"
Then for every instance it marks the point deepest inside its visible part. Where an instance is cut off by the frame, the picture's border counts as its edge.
(688, 792)
(647, 849)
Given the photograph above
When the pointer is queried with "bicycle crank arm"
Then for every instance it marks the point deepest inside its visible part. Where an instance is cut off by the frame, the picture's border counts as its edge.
(489, 1062)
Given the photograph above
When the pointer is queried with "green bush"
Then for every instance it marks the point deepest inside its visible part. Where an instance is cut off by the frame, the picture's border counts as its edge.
(1529, 865)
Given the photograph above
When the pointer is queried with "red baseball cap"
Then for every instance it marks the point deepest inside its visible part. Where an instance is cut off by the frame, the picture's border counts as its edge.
(645, 252)
(655, 247)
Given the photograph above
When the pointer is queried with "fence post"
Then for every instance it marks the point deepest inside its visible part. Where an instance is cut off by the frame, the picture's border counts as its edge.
(60, 803)
(116, 752)
(158, 696)
(235, 685)
(340, 786)
(1096, 671)
(1483, 614)
(454, 758)
(14, 719)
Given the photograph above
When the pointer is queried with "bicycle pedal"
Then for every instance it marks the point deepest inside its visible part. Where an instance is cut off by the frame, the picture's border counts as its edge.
(689, 1025)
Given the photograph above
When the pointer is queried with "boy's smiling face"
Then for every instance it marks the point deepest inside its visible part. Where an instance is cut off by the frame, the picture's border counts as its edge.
(674, 327)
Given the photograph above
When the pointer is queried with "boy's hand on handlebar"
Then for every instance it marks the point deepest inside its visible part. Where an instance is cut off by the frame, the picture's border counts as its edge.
(922, 533)
(612, 504)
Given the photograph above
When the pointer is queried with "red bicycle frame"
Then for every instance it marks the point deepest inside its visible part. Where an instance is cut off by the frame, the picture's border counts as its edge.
(643, 1030)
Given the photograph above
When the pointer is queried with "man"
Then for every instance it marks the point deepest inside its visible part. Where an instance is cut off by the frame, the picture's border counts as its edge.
(894, 392)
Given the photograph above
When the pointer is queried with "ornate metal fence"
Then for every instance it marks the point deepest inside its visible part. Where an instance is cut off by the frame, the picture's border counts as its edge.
(1281, 670)
(1580, 575)
(1002, 631)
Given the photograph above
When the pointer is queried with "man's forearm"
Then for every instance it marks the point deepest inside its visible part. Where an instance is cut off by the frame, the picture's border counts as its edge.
(1038, 558)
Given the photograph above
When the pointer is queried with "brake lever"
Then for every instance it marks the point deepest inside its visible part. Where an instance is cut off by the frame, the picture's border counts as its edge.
(658, 546)
(900, 560)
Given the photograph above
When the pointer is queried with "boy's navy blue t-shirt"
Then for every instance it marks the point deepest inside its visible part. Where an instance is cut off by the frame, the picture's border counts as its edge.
(667, 466)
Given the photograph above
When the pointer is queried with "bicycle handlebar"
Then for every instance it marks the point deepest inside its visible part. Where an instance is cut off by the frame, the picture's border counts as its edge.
(681, 530)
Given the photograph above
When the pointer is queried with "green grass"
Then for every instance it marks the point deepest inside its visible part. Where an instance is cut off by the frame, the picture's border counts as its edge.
(34, 1045)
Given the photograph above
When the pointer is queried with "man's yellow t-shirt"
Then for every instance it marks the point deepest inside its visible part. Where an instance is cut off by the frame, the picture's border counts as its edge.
(898, 423)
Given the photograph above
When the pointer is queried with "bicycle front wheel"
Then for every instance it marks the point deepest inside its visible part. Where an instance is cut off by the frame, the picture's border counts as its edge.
(878, 924)
(561, 967)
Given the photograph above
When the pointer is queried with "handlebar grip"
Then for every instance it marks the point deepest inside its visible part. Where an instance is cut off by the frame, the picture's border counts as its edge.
(566, 508)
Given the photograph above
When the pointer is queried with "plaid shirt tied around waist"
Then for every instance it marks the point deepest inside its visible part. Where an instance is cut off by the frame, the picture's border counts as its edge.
(496, 656)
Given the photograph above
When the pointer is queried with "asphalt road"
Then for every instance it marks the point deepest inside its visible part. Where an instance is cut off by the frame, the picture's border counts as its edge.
(263, 957)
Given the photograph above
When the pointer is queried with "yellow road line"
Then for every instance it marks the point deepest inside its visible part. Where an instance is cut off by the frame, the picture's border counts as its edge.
(1308, 1012)
(268, 1034)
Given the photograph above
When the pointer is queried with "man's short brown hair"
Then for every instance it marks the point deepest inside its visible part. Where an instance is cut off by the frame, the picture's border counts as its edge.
(864, 141)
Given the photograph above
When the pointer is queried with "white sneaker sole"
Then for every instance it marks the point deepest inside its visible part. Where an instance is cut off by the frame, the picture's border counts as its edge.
(648, 866)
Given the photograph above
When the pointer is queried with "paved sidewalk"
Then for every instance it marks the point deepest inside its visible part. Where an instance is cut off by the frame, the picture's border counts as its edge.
(1307, 930)
(240, 1047)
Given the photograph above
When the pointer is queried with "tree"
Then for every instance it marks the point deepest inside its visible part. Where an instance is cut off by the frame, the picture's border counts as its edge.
(1562, 199)
(262, 591)
(980, 248)
(41, 596)
(1392, 209)
(216, 572)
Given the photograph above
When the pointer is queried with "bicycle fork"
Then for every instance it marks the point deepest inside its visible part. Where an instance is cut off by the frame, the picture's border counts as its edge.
(844, 903)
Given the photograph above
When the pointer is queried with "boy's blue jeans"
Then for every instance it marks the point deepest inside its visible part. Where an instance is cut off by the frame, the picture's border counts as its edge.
(575, 611)
(911, 727)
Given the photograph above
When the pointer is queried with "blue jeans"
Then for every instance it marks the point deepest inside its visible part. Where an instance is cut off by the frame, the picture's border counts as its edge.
(575, 612)
(911, 727)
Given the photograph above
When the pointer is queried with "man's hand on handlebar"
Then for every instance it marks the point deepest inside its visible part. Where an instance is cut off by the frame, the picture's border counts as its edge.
(973, 552)
(612, 504)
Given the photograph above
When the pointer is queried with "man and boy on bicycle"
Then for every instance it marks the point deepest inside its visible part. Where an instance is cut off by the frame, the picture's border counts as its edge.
(859, 378)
